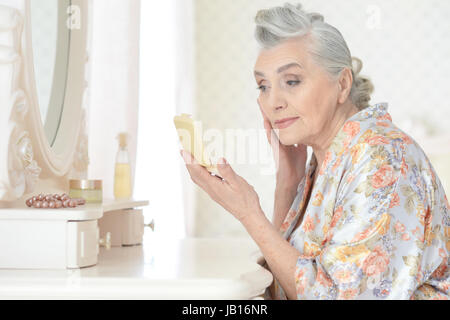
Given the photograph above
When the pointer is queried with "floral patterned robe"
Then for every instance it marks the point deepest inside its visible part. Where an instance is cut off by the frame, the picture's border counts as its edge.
(377, 223)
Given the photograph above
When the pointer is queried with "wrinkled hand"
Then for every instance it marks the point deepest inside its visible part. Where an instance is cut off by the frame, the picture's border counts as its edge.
(232, 192)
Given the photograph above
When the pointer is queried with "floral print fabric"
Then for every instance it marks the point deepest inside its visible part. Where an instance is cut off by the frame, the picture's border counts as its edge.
(377, 223)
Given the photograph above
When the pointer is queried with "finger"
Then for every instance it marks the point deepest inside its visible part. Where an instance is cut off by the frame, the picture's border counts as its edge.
(198, 173)
(268, 128)
(188, 158)
(216, 176)
(227, 172)
(262, 112)
(273, 139)
(302, 148)
(267, 124)
(202, 177)
(299, 149)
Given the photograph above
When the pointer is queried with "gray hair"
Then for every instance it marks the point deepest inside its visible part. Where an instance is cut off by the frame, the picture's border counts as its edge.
(328, 48)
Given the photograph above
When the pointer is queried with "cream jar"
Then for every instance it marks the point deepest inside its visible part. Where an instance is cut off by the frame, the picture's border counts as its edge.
(89, 190)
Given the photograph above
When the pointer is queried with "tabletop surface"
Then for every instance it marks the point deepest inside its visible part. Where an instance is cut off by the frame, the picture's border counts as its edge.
(89, 211)
(160, 268)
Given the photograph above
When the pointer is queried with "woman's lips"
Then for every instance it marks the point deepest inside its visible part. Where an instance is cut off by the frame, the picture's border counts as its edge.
(285, 123)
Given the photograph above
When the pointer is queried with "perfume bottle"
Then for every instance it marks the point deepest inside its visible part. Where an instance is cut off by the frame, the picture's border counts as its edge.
(122, 175)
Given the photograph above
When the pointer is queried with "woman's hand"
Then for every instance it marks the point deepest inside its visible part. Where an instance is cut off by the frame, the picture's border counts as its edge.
(291, 160)
(233, 193)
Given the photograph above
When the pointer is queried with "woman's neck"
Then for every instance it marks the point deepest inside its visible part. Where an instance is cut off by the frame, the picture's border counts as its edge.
(343, 113)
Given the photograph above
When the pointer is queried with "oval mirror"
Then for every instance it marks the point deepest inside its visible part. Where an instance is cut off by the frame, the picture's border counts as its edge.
(51, 47)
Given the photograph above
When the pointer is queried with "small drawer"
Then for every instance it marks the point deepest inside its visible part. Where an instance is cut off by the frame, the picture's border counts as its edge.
(126, 227)
(82, 244)
(133, 230)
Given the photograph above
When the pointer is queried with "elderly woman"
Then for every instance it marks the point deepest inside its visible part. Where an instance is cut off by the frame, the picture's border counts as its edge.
(367, 218)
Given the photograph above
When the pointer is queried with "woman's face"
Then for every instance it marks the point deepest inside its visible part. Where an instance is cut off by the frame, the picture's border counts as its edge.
(291, 84)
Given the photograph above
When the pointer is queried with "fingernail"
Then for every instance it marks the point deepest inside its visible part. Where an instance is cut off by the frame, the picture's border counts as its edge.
(222, 161)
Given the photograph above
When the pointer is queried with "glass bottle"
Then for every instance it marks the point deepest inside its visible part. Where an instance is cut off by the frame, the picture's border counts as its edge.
(122, 175)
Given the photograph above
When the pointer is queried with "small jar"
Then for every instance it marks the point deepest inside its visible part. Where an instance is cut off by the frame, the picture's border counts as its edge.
(89, 190)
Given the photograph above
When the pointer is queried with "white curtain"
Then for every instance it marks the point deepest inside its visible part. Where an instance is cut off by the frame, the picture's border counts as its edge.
(113, 85)
(185, 95)
(164, 91)
(142, 76)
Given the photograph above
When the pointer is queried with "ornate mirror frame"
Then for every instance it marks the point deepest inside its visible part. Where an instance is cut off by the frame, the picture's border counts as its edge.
(26, 157)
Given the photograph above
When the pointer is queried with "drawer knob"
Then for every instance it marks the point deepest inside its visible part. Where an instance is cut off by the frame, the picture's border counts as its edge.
(151, 225)
(106, 242)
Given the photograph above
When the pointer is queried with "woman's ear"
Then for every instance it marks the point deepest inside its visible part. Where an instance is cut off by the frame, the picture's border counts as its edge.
(345, 85)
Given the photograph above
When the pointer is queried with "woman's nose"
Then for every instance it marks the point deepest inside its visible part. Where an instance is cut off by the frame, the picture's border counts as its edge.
(277, 101)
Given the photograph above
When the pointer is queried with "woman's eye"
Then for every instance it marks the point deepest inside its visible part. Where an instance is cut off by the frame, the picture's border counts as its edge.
(262, 88)
(293, 83)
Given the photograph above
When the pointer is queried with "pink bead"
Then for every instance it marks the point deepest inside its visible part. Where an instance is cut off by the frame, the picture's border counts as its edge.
(65, 203)
(45, 204)
(38, 204)
(41, 197)
(52, 204)
(72, 203)
(29, 203)
(48, 198)
(35, 199)
(58, 204)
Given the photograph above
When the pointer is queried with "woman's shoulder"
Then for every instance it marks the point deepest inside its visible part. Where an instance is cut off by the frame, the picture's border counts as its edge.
(377, 145)
(373, 127)
(381, 138)
(381, 147)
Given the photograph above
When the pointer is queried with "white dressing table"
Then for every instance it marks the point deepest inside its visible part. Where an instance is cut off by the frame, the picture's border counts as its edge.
(56, 238)
(161, 268)
(44, 143)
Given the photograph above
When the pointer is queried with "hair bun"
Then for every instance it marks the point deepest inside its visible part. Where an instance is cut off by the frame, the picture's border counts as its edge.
(314, 16)
(299, 6)
(359, 65)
